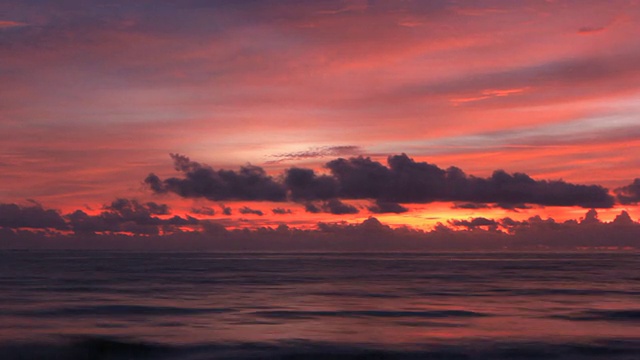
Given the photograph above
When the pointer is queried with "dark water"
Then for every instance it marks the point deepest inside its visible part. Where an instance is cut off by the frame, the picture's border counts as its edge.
(110, 305)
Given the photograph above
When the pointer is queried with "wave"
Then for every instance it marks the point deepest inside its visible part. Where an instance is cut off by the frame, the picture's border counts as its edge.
(116, 310)
(99, 348)
(602, 315)
(296, 314)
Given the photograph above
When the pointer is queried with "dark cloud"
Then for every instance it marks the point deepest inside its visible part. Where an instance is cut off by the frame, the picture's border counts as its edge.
(203, 210)
(213, 228)
(629, 194)
(623, 219)
(246, 210)
(16, 216)
(281, 211)
(312, 208)
(591, 217)
(304, 184)
(407, 181)
(471, 206)
(126, 216)
(122, 215)
(226, 210)
(132, 208)
(337, 207)
(512, 207)
(402, 181)
(382, 207)
(248, 183)
(475, 222)
(361, 178)
(158, 209)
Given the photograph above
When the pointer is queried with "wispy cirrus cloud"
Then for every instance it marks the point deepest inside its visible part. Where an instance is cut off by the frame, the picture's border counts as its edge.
(316, 152)
(5, 24)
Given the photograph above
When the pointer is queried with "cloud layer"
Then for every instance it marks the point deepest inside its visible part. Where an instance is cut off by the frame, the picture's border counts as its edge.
(402, 180)
(126, 224)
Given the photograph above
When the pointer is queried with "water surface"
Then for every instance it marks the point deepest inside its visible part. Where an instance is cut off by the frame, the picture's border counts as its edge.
(115, 305)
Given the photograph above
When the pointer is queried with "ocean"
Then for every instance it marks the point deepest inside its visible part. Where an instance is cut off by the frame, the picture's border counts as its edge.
(468, 305)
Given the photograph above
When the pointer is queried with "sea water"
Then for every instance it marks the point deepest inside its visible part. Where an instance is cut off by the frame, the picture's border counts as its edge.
(125, 305)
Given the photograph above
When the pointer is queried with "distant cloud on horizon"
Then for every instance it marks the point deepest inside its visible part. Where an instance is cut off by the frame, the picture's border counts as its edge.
(126, 228)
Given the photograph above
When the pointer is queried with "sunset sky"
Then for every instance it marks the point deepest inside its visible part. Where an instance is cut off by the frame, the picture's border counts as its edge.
(235, 113)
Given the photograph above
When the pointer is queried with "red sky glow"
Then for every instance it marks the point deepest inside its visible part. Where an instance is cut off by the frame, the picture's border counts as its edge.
(95, 96)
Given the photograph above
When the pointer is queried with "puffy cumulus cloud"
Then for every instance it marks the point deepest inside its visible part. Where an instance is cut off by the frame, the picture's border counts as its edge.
(623, 219)
(407, 181)
(247, 210)
(629, 194)
(15, 216)
(402, 180)
(304, 184)
(383, 207)
(591, 217)
(371, 235)
(201, 181)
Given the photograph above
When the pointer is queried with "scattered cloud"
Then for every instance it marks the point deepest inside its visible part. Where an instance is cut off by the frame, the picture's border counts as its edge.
(226, 210)
(281, 211)
(475, 222)
(203, 210)
(247, 210)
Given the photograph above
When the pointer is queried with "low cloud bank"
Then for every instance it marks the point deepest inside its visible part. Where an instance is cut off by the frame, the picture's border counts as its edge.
(130, 225)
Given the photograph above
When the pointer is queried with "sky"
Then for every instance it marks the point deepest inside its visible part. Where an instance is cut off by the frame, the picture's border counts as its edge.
(162, 119)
